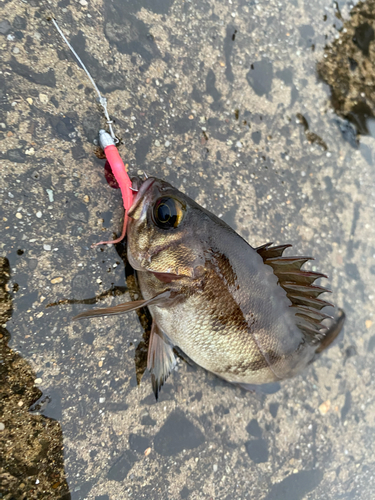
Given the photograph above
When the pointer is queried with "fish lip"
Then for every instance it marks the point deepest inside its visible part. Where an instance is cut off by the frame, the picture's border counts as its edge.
(142, 189)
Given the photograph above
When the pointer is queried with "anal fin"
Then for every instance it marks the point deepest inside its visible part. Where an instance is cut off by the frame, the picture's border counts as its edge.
(160, 360)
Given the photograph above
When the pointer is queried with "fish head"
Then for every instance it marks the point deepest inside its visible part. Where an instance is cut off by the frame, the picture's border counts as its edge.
(166, 231)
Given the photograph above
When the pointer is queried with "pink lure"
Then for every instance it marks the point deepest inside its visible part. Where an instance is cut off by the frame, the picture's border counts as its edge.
(121, 176)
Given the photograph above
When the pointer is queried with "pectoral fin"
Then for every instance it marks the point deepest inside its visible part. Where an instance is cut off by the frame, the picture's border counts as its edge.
(125, 307)
(160, 360)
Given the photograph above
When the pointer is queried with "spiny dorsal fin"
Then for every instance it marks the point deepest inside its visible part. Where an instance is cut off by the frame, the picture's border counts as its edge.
(287, 263)
(318, 316)
(300, 290)
(298, 277)
(312, 334)
(269, 252)
(308, 301)
(304, 290)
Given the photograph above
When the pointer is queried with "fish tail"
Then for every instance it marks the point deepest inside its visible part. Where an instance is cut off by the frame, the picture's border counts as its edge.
(332, 333)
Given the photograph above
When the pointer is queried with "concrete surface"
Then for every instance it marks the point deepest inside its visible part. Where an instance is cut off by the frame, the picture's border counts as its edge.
(223, 100)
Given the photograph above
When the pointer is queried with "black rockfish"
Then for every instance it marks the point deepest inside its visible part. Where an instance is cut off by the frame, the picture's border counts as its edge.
(249, 315)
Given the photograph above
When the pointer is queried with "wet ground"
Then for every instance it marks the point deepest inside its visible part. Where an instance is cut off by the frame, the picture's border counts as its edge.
(254, 110)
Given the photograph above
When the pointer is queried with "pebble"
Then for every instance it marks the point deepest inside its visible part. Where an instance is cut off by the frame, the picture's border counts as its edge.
(16, 50)
(30, 152)
(86, 198)
(239, 144)
(29, 100)
(167, 144)
(54, 281)
(100, 364)
(368, 323)
(215, 467)
(20, 403)
(169, 161)
(39, 214)
(38, 381)
(19, 215)
(157, 143)
(84, 3)
(324, 407)
(47, 247)
(50, 195)
(147, 452)
(101, 400)
(2, 426)
(5, 27)
(43, 98)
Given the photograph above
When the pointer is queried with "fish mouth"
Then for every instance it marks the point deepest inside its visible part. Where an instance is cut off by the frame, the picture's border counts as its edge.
(141, 187)
(136, 183)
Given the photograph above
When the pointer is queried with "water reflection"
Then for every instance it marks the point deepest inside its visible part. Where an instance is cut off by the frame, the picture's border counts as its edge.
(348, 68)
(31, 447)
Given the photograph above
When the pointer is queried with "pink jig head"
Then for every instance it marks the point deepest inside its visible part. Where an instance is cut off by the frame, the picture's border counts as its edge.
(121, 176)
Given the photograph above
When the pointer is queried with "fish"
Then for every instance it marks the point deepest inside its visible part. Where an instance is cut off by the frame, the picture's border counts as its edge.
(251, 316)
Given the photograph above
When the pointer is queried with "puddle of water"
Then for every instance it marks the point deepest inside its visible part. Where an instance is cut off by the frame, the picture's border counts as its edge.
(226, 102)
(32, 446)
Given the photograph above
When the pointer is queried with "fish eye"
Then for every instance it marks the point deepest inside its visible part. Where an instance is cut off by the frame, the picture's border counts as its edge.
(168, 213)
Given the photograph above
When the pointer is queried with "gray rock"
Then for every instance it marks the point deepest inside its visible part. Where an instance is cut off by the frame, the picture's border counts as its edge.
(16, 155)
(295, 486)
(19, 23)
(260, 77)
(5, 27)
(257, 450)
(121, 468)
(47, 78)
(139, 443)
(177, 433)
(253, 428)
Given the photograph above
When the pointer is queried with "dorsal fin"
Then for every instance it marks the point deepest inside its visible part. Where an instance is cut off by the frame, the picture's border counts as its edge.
(300, 290)
(318, 316)
(304, 290)
(287, 263)
(269, 252)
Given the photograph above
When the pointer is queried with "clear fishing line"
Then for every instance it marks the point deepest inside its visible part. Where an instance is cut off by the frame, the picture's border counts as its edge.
(102, 100)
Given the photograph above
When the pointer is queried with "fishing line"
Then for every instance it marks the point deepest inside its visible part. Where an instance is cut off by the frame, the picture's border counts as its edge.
(102, 100)
(108, 143)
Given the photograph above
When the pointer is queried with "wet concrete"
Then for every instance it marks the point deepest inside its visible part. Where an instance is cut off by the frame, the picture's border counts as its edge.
(223, 100)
